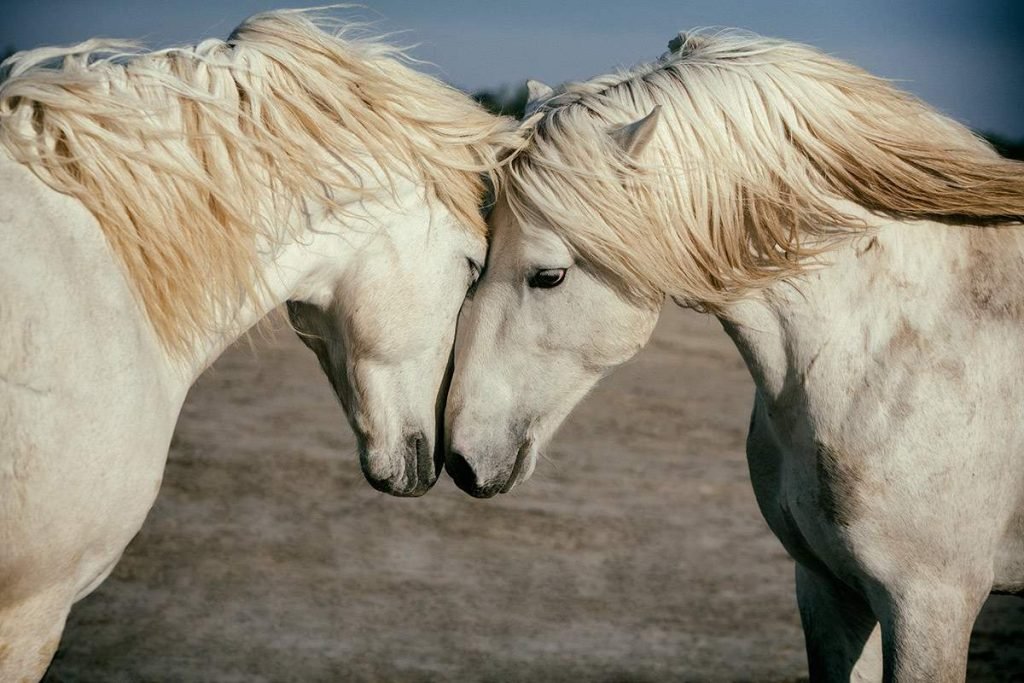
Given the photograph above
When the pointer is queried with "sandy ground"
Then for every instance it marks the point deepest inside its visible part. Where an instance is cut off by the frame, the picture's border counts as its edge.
(636, 552)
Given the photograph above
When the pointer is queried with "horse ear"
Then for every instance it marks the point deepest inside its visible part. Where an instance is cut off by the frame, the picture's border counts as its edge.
(634, 137)
(536, 94)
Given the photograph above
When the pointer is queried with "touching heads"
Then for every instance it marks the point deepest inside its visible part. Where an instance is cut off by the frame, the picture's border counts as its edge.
(380, 316)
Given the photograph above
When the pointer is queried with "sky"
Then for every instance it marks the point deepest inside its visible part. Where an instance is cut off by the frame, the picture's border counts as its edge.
(965, 57)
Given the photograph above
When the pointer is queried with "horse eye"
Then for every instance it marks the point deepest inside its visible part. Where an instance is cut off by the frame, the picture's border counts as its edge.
(475, 269)
(548, 278)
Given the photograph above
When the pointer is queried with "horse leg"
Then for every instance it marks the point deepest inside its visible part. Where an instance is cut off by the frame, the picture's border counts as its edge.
(30, 632)
(926, 628)
(841, 632)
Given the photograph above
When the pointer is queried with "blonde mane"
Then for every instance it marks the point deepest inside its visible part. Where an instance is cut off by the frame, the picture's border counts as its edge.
(196, 161)
(755, 142)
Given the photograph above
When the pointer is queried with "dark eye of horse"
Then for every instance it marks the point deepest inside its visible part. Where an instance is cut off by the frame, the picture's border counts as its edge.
(475, 269)
(546, 279)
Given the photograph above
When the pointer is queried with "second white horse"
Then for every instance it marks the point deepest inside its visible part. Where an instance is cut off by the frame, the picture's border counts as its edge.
(866, 256)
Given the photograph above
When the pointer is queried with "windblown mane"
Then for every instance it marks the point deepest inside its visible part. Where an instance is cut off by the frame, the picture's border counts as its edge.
(756, 140)
(197, 161)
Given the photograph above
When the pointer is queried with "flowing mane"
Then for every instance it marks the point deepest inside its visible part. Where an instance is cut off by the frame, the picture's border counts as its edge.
(198, 161)
(756, 141)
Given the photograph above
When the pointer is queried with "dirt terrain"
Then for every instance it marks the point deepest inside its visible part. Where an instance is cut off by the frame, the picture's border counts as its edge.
(636, 552)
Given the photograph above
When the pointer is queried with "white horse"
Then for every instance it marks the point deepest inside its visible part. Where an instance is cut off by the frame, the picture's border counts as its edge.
(153, 207)
(866, 256)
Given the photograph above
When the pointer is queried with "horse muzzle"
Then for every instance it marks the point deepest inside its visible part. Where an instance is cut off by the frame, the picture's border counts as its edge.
(409, 472)
(478, 482)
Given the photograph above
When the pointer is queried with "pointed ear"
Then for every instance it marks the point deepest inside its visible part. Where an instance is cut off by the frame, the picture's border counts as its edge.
(634, 137)
(536, 94)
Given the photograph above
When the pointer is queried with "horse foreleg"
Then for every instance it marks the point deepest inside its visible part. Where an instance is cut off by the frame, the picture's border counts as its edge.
(30, 631)
(926, 628)
(842, 635)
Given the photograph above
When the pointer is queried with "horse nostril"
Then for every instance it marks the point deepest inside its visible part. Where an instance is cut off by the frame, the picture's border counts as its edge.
(423, 456)
(466, 478)
(416, 444)
(461, 471)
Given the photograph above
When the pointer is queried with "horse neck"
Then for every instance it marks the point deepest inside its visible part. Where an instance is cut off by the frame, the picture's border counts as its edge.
(283, 274)
(313, 259)
(809, 341)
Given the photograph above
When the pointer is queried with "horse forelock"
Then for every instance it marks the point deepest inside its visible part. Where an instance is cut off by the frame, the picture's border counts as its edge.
(758, 145)
(197, 160)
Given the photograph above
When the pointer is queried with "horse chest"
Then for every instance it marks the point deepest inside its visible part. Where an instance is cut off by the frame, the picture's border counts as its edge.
(802, 505)
(858, 514)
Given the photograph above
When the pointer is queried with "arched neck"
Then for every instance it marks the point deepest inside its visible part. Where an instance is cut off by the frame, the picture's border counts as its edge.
(293, 269)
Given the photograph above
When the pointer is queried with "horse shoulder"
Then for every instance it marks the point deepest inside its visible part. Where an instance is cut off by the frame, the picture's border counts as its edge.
(82, 395)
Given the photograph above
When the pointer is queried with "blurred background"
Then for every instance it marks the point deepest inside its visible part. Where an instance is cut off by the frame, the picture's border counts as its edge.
(635, 553)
